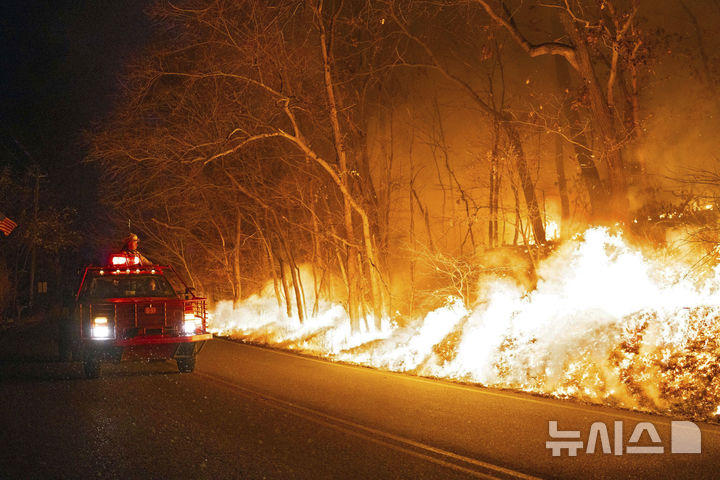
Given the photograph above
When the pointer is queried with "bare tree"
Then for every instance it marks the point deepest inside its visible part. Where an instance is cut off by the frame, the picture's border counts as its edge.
(230, 95)
(598, 33)
(432, 61)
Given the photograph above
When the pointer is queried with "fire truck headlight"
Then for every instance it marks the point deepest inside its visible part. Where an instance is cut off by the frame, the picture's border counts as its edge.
(100, 328)
(192, 324)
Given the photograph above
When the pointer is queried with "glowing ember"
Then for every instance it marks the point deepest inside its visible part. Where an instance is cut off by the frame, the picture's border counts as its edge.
(605, 323)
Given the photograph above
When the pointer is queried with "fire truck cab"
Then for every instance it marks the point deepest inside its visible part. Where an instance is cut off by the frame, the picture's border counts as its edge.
(129, 311)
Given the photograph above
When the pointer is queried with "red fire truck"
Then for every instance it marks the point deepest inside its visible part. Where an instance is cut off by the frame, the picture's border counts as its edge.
(130, 311)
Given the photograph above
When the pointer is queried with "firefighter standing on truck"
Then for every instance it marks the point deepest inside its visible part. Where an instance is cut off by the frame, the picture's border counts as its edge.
(130, 249)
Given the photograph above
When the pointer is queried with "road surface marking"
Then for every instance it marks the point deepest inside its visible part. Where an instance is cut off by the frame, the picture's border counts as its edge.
(402, 444)
(520, 396)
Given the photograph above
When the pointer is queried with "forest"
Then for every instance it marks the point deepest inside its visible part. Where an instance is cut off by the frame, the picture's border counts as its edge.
(386, 154)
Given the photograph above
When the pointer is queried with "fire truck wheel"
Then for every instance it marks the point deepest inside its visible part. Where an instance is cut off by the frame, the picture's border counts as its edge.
(186, 365)
(92, 368)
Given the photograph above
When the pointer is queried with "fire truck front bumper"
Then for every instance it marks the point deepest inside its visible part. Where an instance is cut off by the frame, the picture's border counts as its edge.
(161, 340)
(146, 347)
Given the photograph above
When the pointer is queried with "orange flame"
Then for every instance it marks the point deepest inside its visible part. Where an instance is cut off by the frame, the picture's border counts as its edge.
(605, 323)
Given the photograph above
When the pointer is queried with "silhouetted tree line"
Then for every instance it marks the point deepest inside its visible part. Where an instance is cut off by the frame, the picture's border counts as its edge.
(36, 258)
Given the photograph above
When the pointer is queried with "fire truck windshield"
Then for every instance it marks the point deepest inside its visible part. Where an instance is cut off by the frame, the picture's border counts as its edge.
(126, 286)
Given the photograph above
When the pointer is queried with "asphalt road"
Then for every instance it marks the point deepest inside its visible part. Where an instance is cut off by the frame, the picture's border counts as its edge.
(249, 412)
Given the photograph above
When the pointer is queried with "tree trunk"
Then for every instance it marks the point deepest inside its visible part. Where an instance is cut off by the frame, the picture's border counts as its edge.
(276, 282)
(314, 262)
(602, 115)
(353, 269)
(271, 262)
(588, 171)
(297, 287)
(562, 187)
(413, 243)
(237, 283)
(286, 289)
(426, 217)
(299, 300)
(493, 197)
(518, 218)
(526, 183)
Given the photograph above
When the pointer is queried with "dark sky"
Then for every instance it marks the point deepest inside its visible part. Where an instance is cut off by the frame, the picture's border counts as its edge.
(59, 69)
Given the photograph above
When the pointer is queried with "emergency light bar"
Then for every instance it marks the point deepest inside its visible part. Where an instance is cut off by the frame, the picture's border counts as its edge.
(124, 260)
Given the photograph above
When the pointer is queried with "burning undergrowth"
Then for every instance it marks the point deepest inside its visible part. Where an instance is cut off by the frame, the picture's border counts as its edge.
(605, 323)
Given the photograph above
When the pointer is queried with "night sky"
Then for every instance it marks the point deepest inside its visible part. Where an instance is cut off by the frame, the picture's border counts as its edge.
(60, 66)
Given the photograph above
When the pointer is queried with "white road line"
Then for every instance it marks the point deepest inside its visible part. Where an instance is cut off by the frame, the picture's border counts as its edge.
(595, 409)
(402, 444)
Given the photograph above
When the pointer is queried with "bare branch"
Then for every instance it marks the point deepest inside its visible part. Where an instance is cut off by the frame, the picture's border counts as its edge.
(534, 50)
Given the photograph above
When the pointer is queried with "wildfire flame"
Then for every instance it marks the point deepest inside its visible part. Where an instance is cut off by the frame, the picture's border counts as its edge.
(552, 230)
(605, 323)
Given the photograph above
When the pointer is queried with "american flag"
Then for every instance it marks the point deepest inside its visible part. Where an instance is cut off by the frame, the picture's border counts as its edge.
(6, 225)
